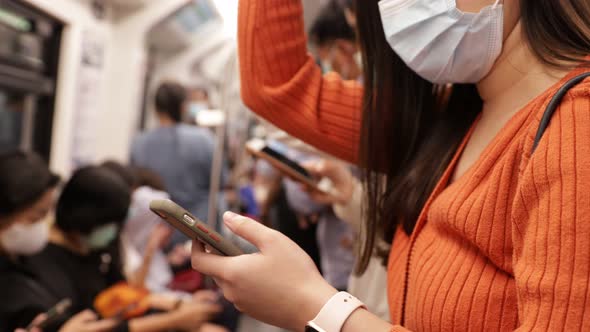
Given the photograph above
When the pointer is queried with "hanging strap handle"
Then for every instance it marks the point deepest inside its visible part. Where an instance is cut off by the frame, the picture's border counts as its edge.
(554, 104)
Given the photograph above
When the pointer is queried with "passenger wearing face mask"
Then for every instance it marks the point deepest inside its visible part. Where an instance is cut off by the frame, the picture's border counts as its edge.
(472, 126)
(191, 149)
(26, 200)
(335, 42)
(84, 239)
(84, 257)
(198, 101)
(27, 190)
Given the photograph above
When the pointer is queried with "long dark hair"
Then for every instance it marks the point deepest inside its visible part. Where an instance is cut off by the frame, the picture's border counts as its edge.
(412, 128)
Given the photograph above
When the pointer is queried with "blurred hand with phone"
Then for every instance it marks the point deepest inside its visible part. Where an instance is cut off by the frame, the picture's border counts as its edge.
(85, 321)
(343, 182)
(32, 327)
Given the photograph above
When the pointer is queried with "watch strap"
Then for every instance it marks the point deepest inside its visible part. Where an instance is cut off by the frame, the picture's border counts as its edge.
(335, 313)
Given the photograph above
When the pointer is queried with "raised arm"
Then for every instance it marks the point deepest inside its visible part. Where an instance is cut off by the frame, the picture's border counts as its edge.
(282, 83)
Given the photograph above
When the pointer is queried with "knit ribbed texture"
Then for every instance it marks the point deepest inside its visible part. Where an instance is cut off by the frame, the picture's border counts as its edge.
(506, 247)
(281, 81)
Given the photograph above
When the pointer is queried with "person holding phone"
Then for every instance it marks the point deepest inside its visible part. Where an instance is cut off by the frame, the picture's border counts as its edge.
(85, 321)
(85, 242)
(488, 216)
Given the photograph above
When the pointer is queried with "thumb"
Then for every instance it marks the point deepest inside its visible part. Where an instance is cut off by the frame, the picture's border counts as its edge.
(248, 229)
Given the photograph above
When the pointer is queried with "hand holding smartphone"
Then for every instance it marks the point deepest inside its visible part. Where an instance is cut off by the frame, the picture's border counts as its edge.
(192, 227)
(52, 315)
(287, 166)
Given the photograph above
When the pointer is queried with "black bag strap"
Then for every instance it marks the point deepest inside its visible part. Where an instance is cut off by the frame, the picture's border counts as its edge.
(554, 104)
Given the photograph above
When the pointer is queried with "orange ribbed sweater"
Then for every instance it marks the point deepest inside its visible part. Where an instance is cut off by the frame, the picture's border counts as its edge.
(506, 247)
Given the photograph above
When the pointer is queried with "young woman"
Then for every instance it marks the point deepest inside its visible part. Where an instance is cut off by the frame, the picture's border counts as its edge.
(489, 231)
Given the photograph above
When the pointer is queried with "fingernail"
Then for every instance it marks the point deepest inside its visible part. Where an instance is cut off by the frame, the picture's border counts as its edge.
(229, 218)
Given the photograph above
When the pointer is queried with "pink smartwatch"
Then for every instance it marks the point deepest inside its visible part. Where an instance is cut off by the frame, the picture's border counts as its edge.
(334, 313)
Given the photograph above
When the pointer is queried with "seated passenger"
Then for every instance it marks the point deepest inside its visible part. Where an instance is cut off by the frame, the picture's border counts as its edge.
(84, 258)
(27, 190)
(143, 234)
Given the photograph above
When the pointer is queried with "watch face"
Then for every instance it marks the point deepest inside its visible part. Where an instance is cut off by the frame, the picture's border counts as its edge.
(310, 329)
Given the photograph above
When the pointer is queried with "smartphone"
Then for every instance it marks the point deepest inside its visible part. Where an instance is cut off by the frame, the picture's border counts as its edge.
(286, 165)
(53, 314)
(192, 227)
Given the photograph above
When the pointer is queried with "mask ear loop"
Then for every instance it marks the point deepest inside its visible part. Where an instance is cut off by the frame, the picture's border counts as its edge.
(496, 4)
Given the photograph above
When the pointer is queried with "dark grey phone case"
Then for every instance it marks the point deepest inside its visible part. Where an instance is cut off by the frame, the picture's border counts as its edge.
(192, 227)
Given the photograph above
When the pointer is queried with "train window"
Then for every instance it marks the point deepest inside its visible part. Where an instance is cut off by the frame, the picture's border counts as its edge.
(17, 117)
(29, 56)
(11, 119)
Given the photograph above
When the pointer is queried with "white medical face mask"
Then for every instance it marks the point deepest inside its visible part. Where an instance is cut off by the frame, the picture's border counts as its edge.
(196, 107)
(441, 43)
(26, 240)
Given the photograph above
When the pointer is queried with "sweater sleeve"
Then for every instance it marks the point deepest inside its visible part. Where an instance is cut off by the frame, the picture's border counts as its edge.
(551, 225)
(282, 83)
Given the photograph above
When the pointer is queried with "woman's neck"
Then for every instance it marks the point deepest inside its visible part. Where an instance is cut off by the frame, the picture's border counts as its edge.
(517, 77)
(70, 242)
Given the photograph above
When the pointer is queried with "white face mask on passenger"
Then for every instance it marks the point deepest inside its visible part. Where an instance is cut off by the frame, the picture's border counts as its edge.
(441, 43)
(26, 240)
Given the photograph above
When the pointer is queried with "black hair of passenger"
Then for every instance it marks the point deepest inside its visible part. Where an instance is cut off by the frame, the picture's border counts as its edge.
(331, 25)
(125, 172)
(24, 178)
(170, 99)
(93, 197)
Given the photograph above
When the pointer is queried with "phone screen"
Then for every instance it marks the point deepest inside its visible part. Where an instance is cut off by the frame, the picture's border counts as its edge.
(287, 161)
